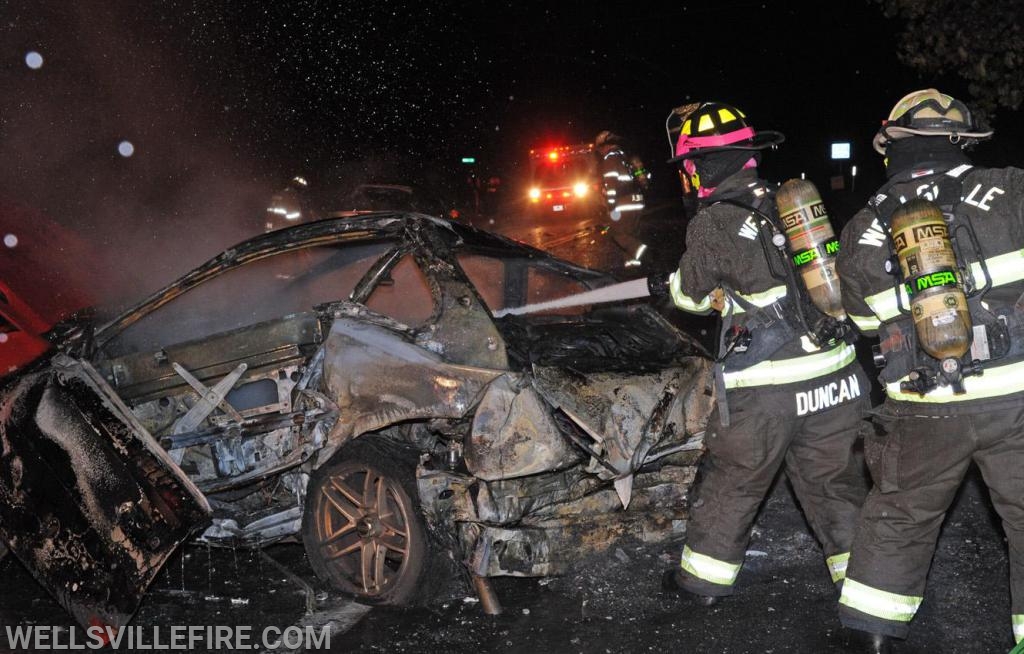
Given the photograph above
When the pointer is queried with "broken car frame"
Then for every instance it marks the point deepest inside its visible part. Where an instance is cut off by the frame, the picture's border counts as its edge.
(509, 446)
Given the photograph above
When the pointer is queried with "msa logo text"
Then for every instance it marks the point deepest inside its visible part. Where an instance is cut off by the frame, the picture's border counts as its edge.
(920, 233)
(791, 220)
(941, 279)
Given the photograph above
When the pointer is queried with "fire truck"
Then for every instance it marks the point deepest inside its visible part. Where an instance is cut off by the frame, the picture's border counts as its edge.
(42, 282)
(565, 179)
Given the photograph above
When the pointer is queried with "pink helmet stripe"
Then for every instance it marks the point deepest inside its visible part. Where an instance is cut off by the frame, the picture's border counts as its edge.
(687, 143)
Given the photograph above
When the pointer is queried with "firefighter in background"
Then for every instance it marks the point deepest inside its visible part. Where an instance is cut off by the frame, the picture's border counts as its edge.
(939, 414)
(787, 396)
(623, 195)
(288, 206)
(472, 192)
(491, 197)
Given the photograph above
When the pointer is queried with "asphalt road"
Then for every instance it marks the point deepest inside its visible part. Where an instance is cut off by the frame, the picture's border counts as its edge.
(594, 240)
(784, 601)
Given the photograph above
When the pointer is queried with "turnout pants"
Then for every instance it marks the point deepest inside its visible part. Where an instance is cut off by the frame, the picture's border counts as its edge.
(917, 464)
(772, 427)
(625, 234)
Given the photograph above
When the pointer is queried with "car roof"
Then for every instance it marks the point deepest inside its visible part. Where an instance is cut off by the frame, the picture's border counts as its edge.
(379, 225)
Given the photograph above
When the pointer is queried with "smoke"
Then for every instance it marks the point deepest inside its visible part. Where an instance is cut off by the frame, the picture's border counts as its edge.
(104, 132)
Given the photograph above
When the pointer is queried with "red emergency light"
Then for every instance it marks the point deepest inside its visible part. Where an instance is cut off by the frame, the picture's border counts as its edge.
(553, 155)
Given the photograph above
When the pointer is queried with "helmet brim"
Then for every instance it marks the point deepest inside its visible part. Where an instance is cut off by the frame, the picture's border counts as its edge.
(762, 141)
(888, 134)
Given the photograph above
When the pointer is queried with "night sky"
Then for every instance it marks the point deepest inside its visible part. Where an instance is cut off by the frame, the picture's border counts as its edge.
(223, 101)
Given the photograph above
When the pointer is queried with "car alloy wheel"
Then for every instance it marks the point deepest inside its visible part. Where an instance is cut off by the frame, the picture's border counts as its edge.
(363, 531)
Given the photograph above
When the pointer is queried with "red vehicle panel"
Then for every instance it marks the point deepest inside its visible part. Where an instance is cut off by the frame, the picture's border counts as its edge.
(47, 273)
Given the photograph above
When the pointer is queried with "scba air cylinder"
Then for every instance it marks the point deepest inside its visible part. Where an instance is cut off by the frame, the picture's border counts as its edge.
(937, 301)
(812, 243)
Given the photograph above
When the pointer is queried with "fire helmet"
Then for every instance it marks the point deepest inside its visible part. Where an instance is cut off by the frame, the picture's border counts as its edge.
(606, 137)
(930, 113)
(715, 127)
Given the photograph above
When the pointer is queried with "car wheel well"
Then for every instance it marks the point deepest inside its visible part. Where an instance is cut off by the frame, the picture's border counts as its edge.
(363, 528)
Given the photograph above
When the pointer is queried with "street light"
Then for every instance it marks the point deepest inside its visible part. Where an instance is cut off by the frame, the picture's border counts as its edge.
(841, 150)
(840, 153)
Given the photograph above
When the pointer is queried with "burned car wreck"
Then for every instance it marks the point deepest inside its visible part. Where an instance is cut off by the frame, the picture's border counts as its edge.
(345, 383)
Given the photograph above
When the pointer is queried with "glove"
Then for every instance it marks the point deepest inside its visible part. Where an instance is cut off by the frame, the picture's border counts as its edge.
(657, 284)
(717, 297)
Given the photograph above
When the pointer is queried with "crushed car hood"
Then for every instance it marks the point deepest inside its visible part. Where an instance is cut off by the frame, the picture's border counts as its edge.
(627, 416)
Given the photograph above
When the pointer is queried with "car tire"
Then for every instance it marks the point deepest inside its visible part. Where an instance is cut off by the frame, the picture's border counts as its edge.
(363, 529)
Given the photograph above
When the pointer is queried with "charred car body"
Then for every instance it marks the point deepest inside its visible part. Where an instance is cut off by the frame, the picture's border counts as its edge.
(345, 382)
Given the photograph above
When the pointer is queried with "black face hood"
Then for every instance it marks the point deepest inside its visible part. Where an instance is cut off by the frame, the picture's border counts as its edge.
(919, 152)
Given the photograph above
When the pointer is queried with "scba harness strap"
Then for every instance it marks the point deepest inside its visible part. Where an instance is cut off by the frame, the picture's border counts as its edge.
(766, 329)
(763, 331)
(997, 327)
(998, 333)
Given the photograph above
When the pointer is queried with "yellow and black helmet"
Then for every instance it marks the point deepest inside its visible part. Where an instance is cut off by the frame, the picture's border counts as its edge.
(930, 113)
(713, 127)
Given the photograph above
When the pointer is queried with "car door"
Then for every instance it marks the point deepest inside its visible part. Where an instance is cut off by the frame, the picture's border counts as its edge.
(89, 502)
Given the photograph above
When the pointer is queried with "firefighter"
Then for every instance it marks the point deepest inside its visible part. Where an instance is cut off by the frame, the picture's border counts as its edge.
(939, 414)
(623, 194)
(288, 206)
(789, 395)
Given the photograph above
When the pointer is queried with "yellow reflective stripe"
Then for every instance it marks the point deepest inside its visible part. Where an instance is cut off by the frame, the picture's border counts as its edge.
(1004, 268)
(837, 566)
(994, 382)
(687, 303)
(762, 299)
(684, 301)
(879, 603)
(704, 567)
(865, 323)
(788, 371)
(1018, 631)
(884, 303)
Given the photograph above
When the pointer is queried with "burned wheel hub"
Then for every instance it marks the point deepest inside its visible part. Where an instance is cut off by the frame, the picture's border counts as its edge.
(362, 525)
(368, 527)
